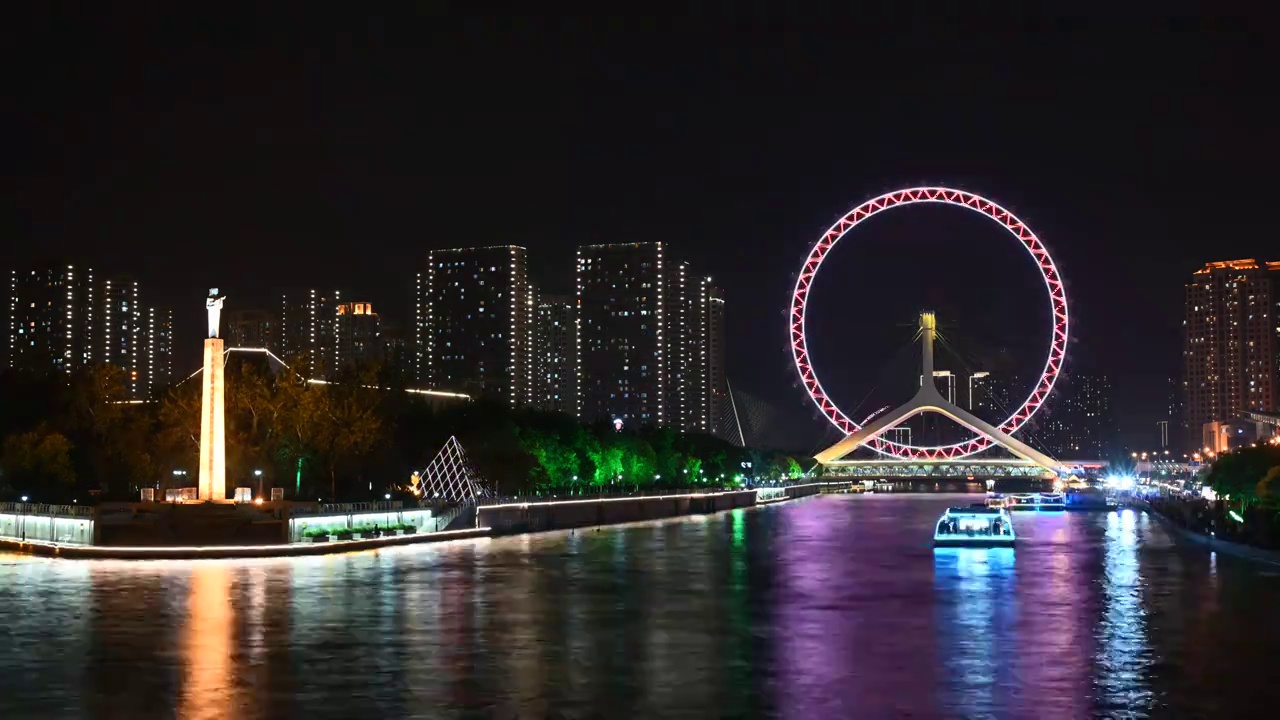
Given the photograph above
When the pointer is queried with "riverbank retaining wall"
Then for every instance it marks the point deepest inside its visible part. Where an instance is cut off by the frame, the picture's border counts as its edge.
(536, 517)
(1225, 547)
(799, 491)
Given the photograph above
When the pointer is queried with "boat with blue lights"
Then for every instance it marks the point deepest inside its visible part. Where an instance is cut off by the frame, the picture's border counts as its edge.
(1036, 501)
(976, 526)
(1089, 498)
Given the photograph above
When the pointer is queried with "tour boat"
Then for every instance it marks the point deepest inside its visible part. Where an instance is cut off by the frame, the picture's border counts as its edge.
(996, 500)
(1089, 499)
(1036, 501)
(974, 527)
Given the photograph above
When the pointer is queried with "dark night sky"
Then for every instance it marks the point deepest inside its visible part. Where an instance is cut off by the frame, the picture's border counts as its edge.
(262, 153)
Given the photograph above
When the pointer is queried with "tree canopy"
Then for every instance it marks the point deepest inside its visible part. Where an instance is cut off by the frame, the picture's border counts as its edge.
(1246, 474)
(346, 440)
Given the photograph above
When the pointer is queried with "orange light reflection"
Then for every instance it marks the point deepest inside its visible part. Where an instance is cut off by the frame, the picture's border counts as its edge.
(208, 691)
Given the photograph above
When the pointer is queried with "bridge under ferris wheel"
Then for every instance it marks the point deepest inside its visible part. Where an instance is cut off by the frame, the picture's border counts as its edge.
(957, 459)
(1029, 462)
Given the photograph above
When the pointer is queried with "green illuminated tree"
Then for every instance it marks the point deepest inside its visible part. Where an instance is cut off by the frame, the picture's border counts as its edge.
(556, 461)
(1238, 473)
(639, 466)
(793, 469)
(692, 471)
(608, 464)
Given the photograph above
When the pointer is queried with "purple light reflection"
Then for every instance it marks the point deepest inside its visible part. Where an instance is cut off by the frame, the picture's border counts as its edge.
(839, 653)
(1055, 607)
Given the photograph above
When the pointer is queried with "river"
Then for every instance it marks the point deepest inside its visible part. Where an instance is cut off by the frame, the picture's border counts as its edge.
(829, 607)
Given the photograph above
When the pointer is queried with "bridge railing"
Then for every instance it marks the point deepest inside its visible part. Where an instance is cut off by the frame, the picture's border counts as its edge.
(348, 508)
(618, 495)
(587, 497)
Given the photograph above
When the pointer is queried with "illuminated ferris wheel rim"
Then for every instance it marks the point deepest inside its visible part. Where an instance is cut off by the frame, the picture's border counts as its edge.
(910, 196)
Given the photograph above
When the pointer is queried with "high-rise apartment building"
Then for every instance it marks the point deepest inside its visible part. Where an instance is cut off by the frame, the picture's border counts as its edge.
(123, 333)
(134, 337)
(397, 355)
(308, 331)
(52, 315)
(1273, 269)
(159, 354)
(358, 335)
(61, 319)
(475, 323)
(644, 323)
(555, 348)
(1173, 427)
(252, 328)
(1081, 424)
(994, 394)
(977, 393)
(621, 348)
(419, 362)
(1230, 342)
(717, 381)
(686, 316)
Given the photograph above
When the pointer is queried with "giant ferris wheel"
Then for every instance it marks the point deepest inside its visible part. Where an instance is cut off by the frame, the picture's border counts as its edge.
(928, 400)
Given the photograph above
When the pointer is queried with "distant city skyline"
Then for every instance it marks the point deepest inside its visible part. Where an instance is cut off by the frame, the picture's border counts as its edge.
(144, 347)
(736, 165)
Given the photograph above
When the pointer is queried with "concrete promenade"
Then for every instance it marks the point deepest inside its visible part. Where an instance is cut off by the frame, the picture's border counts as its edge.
(510, 518)
(109, 552)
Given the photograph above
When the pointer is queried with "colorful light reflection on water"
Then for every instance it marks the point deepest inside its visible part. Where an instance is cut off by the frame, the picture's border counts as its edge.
(828, 607)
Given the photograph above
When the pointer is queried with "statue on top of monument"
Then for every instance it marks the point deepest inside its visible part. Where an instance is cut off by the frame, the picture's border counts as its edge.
(214, 305)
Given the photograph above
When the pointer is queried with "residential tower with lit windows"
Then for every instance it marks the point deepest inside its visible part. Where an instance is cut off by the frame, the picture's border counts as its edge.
(644, 327)
(1081, 421)
(555, 348)
(52, 316)
(475, 323)
(252, 328)
(308, 331)
(357, 335)
(718, 402)
(123, 333)
(159, 355)
(62, 318)
(1231, 343)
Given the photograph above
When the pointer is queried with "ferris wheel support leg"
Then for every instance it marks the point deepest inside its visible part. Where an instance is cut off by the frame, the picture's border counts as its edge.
(922, 404)
(869, 432)
(999, 437)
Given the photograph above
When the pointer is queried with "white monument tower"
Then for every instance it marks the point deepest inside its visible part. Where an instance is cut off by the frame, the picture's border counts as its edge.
(213, 435)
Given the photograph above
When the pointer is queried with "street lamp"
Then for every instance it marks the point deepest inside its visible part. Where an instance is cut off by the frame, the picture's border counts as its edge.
(258, 474)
